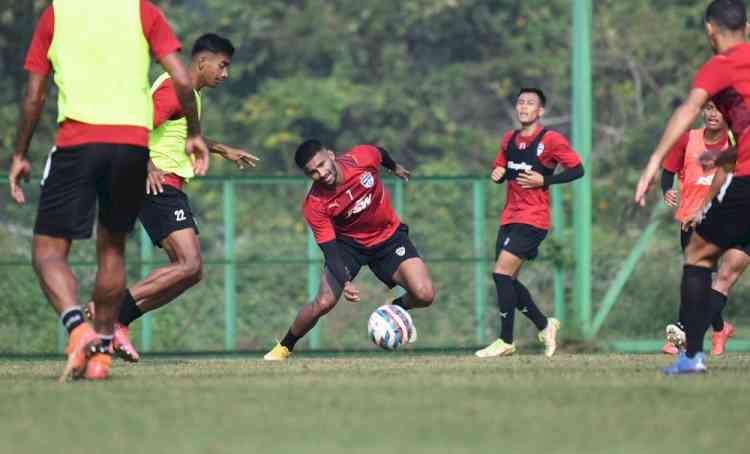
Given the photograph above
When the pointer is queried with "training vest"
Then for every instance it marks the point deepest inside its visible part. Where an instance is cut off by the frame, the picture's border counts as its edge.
(695, 182)
(101, 61)
(167, 142)
(518, 160)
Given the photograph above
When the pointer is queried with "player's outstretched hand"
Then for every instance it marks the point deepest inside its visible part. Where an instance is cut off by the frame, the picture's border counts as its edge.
(530, 179)
(350, 292)
(644, 184)
(154, 179)
(20, 170)
(401, 172)
(196, 146)
(671, 198)
(497, 174)
(240, 158)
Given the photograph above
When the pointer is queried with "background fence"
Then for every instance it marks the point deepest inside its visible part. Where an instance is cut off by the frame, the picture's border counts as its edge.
(261, 264)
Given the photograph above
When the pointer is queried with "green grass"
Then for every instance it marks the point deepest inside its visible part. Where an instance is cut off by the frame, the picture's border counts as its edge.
(405, 402)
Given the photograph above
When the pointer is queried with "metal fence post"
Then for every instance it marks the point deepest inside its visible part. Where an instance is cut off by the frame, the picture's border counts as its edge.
(230, 269)
(480, 263)
(558, 233)
(582, 123)
(147, 254)
(313, 283)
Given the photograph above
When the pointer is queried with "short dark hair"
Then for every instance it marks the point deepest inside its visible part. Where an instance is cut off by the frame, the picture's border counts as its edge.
(211, 42)
(727, 14)
(306, 151)
(536, 91)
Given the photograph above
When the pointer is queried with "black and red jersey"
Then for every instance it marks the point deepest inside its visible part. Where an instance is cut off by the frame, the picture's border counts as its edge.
(359, 208)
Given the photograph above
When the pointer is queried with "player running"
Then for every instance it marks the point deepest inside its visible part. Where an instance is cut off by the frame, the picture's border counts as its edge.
(693, 160)
(350, 215)
(723, 223)
(527, 159)
(166, 213)
(100, 54)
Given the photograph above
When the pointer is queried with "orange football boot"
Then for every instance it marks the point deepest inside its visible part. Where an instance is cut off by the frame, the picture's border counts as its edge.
(81, 343)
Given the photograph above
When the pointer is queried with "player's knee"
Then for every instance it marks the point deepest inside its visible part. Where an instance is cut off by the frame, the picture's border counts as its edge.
(324, 303)
(425, 293)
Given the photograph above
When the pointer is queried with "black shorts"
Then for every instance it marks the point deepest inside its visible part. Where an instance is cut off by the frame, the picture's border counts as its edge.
(75, 178)
(165, 213)
(727, 221)
(383, 259)
(521, 240)
(685, 240)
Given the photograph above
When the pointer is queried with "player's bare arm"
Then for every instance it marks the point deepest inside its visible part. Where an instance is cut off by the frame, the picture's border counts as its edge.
(680, 121)
(194, 145)
(33, 104)
(240, 158)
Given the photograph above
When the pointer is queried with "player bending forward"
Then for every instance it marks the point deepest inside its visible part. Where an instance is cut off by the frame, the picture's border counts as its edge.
(351, 216)
(527, 159)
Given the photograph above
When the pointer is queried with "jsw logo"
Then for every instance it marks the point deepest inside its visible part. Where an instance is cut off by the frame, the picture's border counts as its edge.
(705, 181)
(519, 166)
(360, 205)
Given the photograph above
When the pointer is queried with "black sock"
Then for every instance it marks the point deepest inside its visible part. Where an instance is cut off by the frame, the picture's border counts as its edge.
(72, 318)
(682, 316)
(695, 292)
(129, 311)
(717, 302)
(105, 342)
(400, 303)
(506, 301)
(527, 306)
(289, 340)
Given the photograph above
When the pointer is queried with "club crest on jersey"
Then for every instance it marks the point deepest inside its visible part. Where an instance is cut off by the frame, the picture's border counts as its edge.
(367, 180)
(401, 251)
(540, 149)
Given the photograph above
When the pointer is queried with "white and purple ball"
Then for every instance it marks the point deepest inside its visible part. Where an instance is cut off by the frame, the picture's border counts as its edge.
(390, 326)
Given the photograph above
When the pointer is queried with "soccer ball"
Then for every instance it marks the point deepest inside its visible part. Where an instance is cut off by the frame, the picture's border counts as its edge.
(390, 326)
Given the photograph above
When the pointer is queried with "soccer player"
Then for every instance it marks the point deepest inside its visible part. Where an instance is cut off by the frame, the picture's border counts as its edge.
(527, 160)
(724, 223)
(350, 214)
(692, 158)
(99, 52)
(166, 213)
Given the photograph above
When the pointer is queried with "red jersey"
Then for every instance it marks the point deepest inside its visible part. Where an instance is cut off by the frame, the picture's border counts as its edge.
(531, 206)
(161, 40)
(359, 208)
(684, 159)
(726, 78)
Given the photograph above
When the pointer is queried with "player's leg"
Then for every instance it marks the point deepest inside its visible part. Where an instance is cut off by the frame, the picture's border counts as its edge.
(308, 316)
(412, 275)
(120, 190)
(65, 212)
(675, 332)
(507, 265)
(734, 262)
(548, 327)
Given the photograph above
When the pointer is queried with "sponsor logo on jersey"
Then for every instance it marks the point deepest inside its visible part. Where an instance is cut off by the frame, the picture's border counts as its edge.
(705, 180)
(519, 166)
(367, 180)
(360, 205)
(540, 149)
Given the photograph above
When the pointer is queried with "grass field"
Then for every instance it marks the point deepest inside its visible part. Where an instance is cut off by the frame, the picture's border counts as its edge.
(405, 403)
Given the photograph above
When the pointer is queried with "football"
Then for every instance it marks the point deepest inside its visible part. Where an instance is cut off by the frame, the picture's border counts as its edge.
(390, 326)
